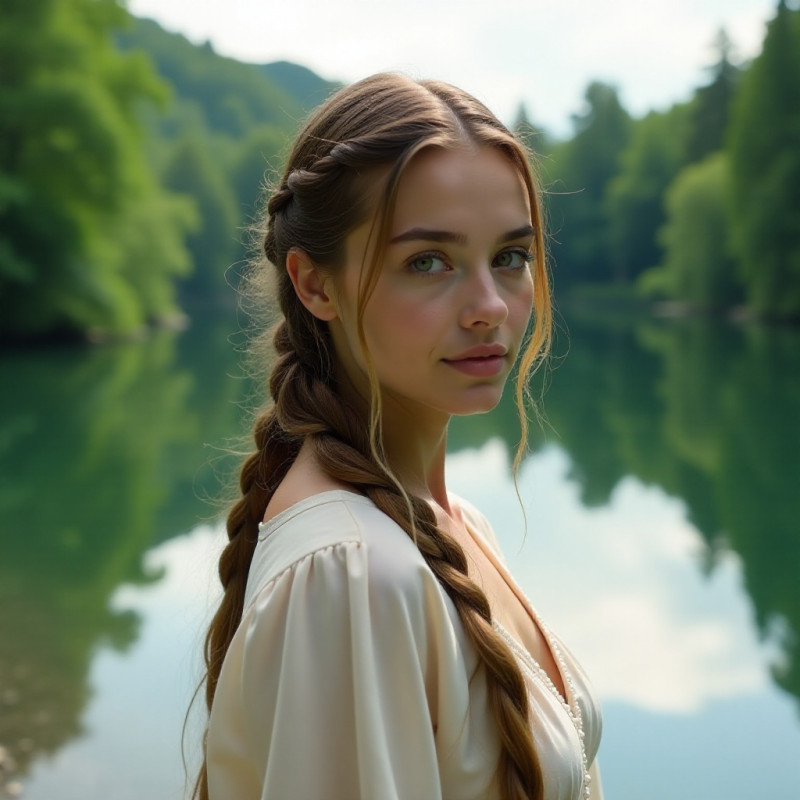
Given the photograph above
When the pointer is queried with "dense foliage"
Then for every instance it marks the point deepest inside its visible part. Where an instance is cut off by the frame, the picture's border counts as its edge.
(88, 238)
(764, 148)
(222, 134)
(131, 161)
(699, 205)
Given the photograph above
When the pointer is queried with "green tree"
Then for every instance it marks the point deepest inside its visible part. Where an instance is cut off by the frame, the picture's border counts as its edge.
(195, 172)
(635, 199)
(72, 175)
(698, 267)
(583, 168)
(764, 148)
(257, 161)
(230, 96)
(710, 108)
(534, 136)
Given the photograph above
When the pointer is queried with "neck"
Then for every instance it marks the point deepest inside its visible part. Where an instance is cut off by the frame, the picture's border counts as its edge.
(415, 444)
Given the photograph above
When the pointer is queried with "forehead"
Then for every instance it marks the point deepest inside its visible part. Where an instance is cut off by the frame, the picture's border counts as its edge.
(475, 192)
(458, 188)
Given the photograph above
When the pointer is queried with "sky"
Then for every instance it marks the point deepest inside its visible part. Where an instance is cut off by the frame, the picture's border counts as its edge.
(540, 52)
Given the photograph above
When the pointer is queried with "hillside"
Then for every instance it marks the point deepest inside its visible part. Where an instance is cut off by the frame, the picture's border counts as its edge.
(228, 96)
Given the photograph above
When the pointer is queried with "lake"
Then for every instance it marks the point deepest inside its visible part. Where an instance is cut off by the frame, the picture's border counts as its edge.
(662, 500)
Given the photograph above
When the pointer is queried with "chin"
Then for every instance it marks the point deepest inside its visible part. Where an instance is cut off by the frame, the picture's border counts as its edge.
(478, 405)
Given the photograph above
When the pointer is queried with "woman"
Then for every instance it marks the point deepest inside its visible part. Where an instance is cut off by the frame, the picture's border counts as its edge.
(370, 642)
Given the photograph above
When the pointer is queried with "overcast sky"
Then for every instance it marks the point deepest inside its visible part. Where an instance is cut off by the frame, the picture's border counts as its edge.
(540, 52)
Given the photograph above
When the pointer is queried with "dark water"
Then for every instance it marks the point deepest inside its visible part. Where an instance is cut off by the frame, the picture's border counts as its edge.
(663, 544)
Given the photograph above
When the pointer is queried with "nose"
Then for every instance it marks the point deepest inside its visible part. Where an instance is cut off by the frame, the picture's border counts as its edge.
(483, 303)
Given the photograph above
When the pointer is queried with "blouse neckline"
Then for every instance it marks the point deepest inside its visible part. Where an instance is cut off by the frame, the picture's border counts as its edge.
(569, 700)
(568, 697)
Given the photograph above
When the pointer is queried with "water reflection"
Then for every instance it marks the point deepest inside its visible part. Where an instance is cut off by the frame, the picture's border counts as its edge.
(707, 413)
(673, 652)
(621, 581)
(100, 452)
(673, 447)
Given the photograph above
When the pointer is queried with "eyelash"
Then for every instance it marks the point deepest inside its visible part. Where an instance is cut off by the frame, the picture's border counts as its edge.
(420, 256)
(526, 256)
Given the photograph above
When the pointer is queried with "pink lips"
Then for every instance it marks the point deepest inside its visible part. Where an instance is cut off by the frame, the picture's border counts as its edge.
(484, 360)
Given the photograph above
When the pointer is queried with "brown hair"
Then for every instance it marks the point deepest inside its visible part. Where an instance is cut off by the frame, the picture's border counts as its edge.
(382, 121)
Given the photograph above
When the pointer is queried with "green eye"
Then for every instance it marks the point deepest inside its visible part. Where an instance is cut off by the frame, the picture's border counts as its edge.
(512, 259)
(427, 263)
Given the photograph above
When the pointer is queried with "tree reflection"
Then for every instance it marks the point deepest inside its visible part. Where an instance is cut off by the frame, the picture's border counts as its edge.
(100, 454)
(706, 411)
(758, 481)
(709, 413)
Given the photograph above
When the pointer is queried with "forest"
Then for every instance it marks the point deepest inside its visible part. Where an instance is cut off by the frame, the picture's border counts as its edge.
(131, 164)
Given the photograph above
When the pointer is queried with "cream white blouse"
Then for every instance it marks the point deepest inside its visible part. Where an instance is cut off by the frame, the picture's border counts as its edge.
(350, 676)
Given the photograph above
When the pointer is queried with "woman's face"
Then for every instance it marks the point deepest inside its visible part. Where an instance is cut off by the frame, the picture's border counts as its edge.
(453, 298)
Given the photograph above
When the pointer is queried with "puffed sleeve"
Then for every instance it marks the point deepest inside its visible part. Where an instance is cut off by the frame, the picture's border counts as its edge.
(339, 682)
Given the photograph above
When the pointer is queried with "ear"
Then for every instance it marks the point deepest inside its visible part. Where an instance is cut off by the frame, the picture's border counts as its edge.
(312, 286)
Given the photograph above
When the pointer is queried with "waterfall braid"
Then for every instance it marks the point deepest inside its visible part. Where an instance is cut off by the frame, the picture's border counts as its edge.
(342, 154)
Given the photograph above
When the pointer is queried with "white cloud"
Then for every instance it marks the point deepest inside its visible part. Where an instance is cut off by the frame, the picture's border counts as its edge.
(544, 52)
(189, 587)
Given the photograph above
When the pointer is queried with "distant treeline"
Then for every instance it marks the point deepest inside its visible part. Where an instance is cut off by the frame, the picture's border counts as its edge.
(700, 204)
(131, 162)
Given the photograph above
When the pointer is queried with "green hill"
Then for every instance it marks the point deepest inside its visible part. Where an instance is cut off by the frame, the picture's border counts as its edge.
(225, 95)
(299, 82)
(217, 140)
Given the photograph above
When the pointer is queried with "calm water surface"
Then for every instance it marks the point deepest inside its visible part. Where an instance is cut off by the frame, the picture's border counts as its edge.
(662, 544)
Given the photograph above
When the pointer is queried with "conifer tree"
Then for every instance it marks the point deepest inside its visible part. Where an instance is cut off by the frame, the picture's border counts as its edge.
(764, 147)
(710, 108)
(584, 167)
(635, 197)
(534, 136)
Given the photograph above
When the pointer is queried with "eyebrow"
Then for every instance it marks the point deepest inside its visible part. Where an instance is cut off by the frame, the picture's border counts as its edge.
(428, 235)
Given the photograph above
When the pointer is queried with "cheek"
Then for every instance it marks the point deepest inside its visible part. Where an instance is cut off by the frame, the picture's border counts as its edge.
(397, 324)
(521, 306)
